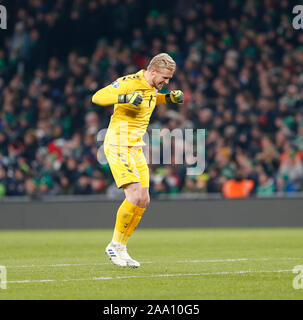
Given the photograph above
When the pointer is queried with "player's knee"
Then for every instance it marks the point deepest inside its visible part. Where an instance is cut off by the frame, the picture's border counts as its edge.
(133, 193)
(136, 195)
(145, 200)
(134, 198)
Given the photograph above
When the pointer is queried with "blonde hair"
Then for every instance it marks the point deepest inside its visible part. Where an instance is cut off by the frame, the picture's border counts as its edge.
(162, 60)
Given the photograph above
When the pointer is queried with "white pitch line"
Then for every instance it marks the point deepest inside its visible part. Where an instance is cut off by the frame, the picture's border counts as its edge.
(58, 265)
(239, 259)
(153, 276)
(151, 262)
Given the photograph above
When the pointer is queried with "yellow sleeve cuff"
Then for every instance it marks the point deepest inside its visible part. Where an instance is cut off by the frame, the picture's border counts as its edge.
(161, 98)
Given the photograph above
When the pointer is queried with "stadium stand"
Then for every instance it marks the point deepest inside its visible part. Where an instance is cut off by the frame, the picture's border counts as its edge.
(240, 67)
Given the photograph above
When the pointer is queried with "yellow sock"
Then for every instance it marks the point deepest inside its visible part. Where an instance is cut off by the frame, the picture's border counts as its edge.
(133, 224)
(124, 216)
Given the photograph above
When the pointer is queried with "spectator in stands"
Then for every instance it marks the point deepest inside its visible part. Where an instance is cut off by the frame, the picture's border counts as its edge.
(240, 71)
(239, 187)
(83, 185)
(266, 185)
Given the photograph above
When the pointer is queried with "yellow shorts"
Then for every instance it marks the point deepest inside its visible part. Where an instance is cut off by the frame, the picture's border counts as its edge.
(127, 164)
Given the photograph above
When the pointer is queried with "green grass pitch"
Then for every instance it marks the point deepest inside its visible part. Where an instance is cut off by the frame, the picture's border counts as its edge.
(176, 264)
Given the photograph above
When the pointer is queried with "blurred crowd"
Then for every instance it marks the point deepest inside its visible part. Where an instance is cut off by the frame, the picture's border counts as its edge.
(239, 64)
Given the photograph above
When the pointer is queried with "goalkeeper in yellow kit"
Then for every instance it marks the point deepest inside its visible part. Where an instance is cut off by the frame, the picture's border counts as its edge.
(135, 97)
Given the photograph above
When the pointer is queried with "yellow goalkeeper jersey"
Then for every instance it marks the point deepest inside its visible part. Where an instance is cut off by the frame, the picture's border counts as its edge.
(128, 123)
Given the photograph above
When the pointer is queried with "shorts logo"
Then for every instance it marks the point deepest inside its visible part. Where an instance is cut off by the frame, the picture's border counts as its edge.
(137, 173)
(116, 84)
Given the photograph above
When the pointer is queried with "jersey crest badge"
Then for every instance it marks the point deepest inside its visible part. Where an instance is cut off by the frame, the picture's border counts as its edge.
(116, 84)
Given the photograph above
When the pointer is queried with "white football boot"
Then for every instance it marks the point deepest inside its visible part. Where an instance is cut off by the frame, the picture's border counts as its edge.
(126, 257)
(113, 252)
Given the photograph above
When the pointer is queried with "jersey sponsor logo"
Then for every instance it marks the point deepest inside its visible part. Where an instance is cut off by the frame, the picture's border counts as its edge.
(116, 84)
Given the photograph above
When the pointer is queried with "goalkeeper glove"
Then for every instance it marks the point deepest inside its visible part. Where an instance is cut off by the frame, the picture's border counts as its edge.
(134, 98)
(175, 96)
